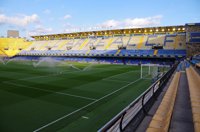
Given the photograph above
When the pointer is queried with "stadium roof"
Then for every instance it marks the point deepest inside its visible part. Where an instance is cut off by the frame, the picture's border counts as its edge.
(114, 32)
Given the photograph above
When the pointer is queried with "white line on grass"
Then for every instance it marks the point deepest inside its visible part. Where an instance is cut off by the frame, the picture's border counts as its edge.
(51, 91)
(65, 116)
(49, 75)
(112, 80)
(119, 74)
(85, 117)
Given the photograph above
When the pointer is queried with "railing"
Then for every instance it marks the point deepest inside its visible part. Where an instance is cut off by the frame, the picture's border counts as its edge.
(196, 67)
(136, 111)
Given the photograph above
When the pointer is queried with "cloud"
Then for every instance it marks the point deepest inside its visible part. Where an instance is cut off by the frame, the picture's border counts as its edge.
(116, 24)
(47, 11)
(110, 23)
(67, 16)
(133, 22)
(68, 27)
(39, 30)
(21, 20)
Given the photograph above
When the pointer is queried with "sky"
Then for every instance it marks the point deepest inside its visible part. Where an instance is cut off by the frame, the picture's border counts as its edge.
(37, 17)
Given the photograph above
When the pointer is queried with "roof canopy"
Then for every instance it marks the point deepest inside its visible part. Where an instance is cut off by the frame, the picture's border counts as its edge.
(113, 32)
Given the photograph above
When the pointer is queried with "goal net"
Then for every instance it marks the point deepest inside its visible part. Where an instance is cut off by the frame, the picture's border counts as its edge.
(151, 71)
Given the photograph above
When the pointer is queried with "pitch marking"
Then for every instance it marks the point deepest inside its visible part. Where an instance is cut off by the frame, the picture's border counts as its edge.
(65, 116)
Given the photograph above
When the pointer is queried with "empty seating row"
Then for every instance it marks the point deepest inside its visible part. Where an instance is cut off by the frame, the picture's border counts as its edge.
(172, 52)
(133, 42)
(123, 52)
(136, 52)
(161, 120)
(194, 89)
(102, 52)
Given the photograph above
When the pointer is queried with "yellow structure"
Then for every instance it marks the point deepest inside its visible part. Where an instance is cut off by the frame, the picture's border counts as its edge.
(11, 46)
(83, 44)
(169, 37)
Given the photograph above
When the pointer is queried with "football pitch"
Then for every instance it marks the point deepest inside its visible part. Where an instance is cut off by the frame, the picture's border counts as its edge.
(65, 96)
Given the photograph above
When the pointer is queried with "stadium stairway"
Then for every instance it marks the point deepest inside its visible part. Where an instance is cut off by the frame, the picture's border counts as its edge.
(155, 52)
(87, 52)
(140, 42)
(109, 43)
(83, 44)
(162, 117)
(64, 42)
(177, 108)
(118, 51)
(182, 114)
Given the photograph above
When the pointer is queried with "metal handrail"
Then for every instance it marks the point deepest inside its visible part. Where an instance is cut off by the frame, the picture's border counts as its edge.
(120, 117)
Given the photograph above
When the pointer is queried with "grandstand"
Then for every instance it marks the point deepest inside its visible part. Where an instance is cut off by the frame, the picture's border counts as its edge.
(67, 80)
(170, 45)
(144, 43)
(11, 46)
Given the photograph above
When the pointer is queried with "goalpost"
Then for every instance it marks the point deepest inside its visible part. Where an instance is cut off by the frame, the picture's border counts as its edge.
(148, 71)
(143, 70)
(152, 71)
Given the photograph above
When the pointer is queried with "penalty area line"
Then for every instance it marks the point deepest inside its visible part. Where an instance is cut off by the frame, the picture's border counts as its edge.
(67, 115)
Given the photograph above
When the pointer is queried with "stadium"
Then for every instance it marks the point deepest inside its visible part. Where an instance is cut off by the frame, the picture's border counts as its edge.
(115, 79)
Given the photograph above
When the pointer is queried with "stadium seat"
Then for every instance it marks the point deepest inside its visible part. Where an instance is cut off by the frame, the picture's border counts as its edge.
(161, 120)
(135, 45)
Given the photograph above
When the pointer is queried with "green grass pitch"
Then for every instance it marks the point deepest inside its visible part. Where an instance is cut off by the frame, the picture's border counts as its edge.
(66, 96)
